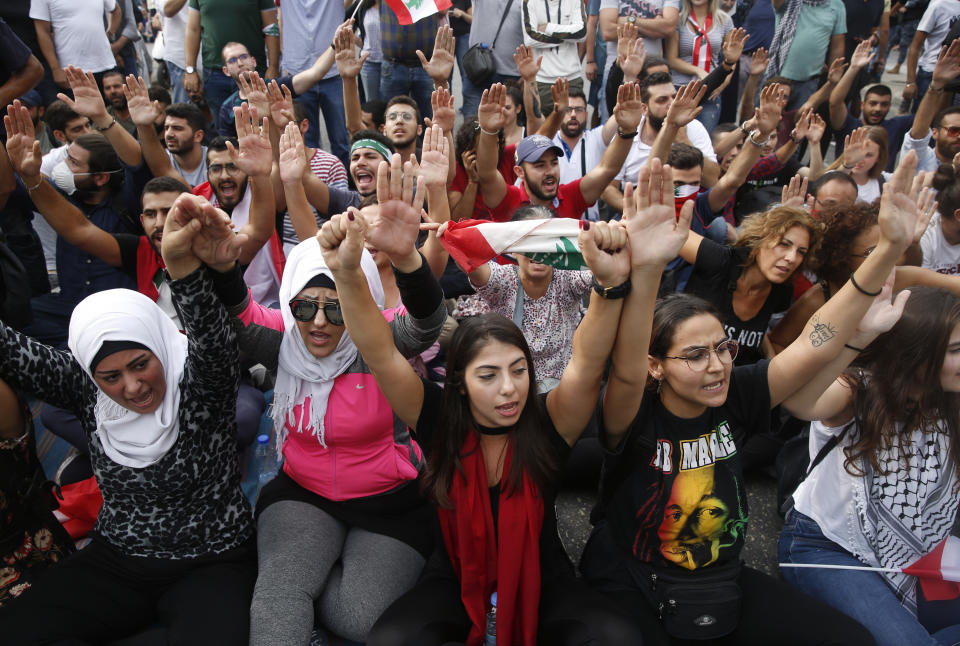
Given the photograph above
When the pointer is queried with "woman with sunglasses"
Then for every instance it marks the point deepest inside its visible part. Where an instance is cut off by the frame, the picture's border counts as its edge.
(673, 508)
(342, 527)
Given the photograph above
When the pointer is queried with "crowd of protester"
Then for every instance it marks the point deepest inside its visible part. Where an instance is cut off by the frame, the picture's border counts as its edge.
(219, 214)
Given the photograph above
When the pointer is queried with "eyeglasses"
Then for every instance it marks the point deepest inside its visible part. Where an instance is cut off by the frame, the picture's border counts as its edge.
(305, 310)
(578, 110)
(698, 360)
(401, 116)
(242, 58)
(953, 131)
(216, 169)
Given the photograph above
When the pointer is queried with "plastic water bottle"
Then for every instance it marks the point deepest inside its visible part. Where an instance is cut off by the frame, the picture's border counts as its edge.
(490, 639)
(267, 459)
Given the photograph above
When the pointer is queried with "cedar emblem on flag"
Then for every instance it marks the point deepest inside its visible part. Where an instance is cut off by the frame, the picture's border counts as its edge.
(410, 11)
(552, 242)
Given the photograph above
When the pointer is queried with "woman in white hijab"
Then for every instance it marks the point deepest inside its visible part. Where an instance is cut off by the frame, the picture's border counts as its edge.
(342, 529)
(173, 543)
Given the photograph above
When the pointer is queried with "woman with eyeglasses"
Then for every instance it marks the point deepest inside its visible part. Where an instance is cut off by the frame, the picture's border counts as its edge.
(751, 281)
(673, 513)
(343, 528)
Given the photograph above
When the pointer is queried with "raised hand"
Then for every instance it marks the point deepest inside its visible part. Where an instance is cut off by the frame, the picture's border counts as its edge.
(686, 105)
(87, 100)
(883, 314)
(948, 64)
(560, 92)
(345, 46)
(444, 114)
(862, 55)
(255, 89)
(794, 193)
(604, 249)
(492, 114)
(293, 159)
(195, 228)
(628, 111)
(905, 207)
(341, 240)
(837, 67)
(527, 64)
(627, 35)
(769, 114)
(802, 124)
(255, 157)
(143, 111)
(281, 104)
(440, 65)
(654, 231)
(733, 46)
(22, 149)
(632, 58)
(759, 62)
(395, 228)
(434, 158)
(817, 127)
(854, 148)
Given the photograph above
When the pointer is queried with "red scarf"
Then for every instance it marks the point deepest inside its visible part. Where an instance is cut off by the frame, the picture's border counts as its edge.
(702, 40)
(149, 263)
(513, 571)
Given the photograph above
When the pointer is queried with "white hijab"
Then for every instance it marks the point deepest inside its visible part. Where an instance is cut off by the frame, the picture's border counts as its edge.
(129, 438)
(300, 374)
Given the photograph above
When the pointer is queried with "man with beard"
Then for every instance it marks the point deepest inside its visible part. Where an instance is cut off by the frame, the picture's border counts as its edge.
(113, 93)
(875, 107)
(538, 165)
(236, 61)
(402, 125)
(583, 149)
(65, 125)
(657, 93)
(946, 125)
(367, 149)
(34, 105)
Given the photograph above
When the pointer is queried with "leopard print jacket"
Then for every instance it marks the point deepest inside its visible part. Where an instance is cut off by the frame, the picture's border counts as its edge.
(189, 504)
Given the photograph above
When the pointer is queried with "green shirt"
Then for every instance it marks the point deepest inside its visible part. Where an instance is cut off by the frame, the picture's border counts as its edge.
(811, 43)
(224, 21)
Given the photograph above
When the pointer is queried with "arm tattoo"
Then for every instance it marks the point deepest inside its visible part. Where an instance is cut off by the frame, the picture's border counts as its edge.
(822, 332)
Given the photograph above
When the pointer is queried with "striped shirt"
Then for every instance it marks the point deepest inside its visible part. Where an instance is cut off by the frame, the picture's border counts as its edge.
(331, 172)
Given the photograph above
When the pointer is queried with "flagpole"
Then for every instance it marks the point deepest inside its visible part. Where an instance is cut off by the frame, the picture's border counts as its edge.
(843, 567)
(354, 14)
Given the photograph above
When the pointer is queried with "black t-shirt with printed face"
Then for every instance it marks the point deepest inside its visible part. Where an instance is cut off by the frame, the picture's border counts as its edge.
(714, 279)
(673, 491)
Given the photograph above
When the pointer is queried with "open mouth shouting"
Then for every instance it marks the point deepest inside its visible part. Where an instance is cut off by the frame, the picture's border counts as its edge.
(365, 181)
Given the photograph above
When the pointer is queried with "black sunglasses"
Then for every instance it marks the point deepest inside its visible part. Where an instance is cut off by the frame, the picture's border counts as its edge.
(306, 310)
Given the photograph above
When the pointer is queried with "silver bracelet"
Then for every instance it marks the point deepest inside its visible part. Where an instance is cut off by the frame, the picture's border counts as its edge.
(758, 144)
(487, 132)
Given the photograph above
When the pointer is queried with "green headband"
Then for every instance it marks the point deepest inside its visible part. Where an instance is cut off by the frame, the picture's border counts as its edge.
(371, 143)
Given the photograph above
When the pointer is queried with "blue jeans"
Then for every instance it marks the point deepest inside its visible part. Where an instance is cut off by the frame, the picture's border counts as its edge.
(862, 595)
(463, 44)
(397, 79)
(217, 86)
(370, 77)
(176, 73)
(710, 115)
(472, 93)
(923, 82)
(902, 36)
(327, 95)
(800, 92)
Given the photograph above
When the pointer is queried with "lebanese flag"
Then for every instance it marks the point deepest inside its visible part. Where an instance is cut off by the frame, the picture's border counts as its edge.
(410, 11)
(552, 242)
(939, 571)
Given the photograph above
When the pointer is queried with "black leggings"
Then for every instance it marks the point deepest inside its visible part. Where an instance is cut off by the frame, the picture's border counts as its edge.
(571, 614)
(771, 612)
(98, 595)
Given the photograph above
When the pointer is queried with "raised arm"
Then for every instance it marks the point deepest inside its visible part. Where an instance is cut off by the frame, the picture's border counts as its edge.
(835, 323)
(433, 169)
(255, 158)
(144, 113)
(628, 113)
(572, 403)
(655, 235)
(758, 65)
(560, 92)
(861, 57)
(88, 102)
(946, 69)
(823, 92)
(66, 219)
(349, 66)
(528, 66)
(292, 165)
(440, 66)
(444, 116)
(492, 115)
(683, 110)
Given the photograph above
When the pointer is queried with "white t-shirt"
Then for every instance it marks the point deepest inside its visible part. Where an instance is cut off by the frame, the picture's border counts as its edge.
(640, 9)
(79, 31)
(936, 22)
(586, 154)
(174, 34)
(195, 177)
(871, 190)
(639, 151)
(938, 254)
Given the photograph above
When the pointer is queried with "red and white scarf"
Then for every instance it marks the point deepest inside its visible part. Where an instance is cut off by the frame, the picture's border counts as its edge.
(701, 46)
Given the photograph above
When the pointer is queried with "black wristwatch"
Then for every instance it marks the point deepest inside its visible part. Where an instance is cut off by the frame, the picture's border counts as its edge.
(611, 293)
(626, 135)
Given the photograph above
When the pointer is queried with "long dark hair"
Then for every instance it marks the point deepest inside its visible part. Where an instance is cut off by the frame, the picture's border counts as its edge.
(669, 314)
(897, 385)
(531, 447)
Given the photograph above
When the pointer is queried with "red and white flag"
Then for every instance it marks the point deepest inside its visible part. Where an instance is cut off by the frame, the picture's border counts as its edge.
(939, 571)
(410, 11)
(552, 242)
